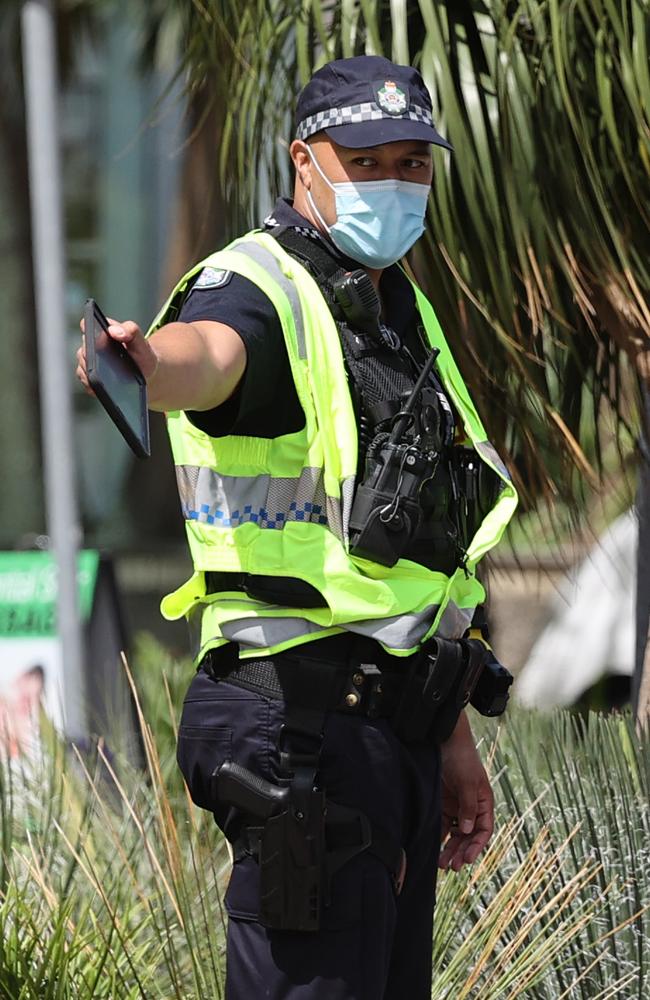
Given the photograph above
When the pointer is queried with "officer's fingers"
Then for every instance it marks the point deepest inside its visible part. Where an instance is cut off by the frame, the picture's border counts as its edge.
(467, 807)
(82, 361)
(83, 378)
(452, 852)
(476, 842)
(464, 851)
(445, 857)
(448, 823)
(81, 372)
(474, 848)
(450, 845)
(125, 332)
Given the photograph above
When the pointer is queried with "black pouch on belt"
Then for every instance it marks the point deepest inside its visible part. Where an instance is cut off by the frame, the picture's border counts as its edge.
(473, 654)
(435, 675)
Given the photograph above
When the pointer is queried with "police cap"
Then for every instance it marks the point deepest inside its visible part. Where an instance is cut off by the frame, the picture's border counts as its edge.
(366, 101)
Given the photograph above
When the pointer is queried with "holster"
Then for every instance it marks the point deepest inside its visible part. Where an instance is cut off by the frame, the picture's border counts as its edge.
(298, 852)
(287, 829)
(291, 859)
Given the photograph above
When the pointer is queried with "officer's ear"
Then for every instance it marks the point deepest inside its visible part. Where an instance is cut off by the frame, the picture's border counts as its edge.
(299, 152)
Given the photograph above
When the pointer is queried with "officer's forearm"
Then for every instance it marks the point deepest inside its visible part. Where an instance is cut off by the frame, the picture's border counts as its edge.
(199, 366)
(460, 736)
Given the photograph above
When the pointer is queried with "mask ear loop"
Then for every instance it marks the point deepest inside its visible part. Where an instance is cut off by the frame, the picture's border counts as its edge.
(310, 199)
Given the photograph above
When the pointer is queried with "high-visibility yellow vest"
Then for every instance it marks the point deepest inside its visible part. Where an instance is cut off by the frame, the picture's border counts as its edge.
(280, 507)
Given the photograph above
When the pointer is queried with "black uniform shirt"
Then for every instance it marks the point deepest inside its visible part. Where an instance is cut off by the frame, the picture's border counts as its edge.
(265, 404)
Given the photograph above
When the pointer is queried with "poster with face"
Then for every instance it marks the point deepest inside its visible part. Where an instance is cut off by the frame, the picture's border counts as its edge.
(31, 669)
(21, 697)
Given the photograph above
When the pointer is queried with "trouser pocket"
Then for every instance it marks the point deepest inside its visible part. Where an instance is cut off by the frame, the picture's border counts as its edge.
(222, 722)
(201, 749)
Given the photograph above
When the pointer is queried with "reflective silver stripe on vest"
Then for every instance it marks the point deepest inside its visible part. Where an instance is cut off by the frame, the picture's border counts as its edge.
(455, 621)
(347, 498)
(399, 632)
(489, 453)
(269, 501)
(266, 259)
(260, 633)
(407, 631)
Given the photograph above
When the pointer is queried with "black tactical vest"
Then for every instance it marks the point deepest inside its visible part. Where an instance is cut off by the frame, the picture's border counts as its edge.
(382, 372)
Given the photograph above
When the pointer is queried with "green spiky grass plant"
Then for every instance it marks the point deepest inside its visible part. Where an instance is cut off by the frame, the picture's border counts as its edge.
(558, 905)
(112, 880)
(111, 883)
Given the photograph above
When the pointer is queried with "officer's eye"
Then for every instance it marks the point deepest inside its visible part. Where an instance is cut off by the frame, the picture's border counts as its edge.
(364, 161)
(412, 164)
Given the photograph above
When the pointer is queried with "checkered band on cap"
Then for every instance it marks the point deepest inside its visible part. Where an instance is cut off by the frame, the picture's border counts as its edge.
(368, 112)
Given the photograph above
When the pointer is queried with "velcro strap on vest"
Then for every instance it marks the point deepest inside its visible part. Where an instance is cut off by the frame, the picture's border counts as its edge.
(287, 591)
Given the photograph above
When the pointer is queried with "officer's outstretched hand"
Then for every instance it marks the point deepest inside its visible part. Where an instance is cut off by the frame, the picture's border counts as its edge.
(132, 338)
(467, 800)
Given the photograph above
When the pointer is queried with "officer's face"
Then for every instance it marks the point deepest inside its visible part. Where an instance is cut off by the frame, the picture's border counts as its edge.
(407, 161)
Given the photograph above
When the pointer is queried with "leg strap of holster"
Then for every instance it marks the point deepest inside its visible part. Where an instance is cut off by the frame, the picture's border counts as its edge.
(348, 833)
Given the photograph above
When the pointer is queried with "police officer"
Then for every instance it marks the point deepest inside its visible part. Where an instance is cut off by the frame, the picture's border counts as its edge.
(338, 491)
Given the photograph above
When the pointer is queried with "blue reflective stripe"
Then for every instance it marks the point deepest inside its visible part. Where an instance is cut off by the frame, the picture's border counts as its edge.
(221, 519)
(269, 501)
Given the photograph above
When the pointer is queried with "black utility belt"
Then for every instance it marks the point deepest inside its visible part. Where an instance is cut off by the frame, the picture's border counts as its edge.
(422, 695)
(362, 689)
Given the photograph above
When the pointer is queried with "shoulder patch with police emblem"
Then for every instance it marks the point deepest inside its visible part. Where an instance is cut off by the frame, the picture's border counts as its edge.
(391, 98)
(212, 277)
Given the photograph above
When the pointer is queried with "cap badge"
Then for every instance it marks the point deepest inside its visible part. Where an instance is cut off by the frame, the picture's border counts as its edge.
(391, 98)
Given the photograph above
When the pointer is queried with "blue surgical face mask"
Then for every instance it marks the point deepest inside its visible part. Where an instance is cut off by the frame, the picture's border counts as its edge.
(376, 221)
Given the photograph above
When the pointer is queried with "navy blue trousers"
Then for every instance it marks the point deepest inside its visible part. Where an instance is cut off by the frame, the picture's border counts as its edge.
(373, 944)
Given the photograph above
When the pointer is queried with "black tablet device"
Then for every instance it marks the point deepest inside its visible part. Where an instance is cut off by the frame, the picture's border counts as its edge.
(117, 381)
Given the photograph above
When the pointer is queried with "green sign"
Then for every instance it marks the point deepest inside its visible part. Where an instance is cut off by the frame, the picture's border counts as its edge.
(28, 589)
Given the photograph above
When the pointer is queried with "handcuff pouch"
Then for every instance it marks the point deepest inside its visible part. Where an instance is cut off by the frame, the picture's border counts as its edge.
(472, 655)
(438, 687)
(431, 679)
